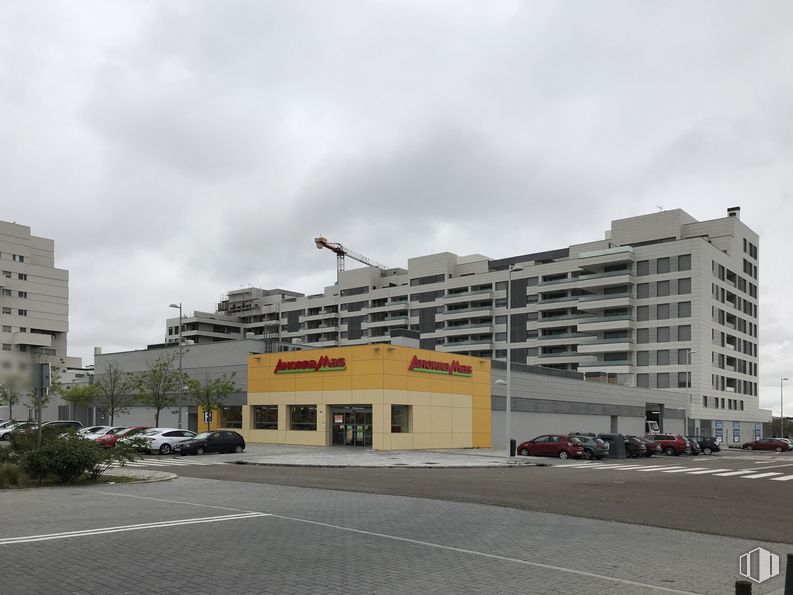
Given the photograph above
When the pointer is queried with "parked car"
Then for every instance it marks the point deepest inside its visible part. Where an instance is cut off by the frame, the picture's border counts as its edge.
(694, 445)
(216, 441)
(109, 440)
(8, 423)
(103, 430)
(776, 444)
(707, 444)
(163, 440)
(63, 425)
(672, 444)
(16, 427)
(91, 429)
(789, 441)
(552, 445)
(634, 447)
(594, 448)
(653, 448)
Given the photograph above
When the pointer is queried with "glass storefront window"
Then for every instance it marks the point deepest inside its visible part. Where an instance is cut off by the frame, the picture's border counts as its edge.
(303, 417)
(400, 419)
(265, 417)
(231, 416)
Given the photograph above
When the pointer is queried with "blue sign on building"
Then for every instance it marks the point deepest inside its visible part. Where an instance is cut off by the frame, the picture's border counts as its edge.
(736, 431)
(720, 430)
(757, 431)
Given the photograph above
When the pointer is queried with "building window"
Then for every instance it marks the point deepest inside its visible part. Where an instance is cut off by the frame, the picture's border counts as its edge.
(6, 292)
(684, 262)
(7, 274)
(23, 277)
(704, 401)
(662, 311)
(22, 312)
(662, 380)
(684, 332)
(400, 419)
(231, 416)
(662, 357)
(643, 290)
(6, 328)
(643, 335)
(683, 380)
(265, 417)
(684, 310)
(642, 358)
(6, 310)
(6, 347)
(663, 288)
(18, 258)
(663, 334)
(303, 417)
(643, 313)
(643, 380)
(643, 268)
(662, 266)
(684, 286)
(22, 294)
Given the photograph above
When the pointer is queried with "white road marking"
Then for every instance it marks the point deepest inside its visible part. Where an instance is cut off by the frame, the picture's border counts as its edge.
(731, 473)
(785, 478)
(686, 470)
(660, 468)
(708, 471)
(124, 528)
(759, 475)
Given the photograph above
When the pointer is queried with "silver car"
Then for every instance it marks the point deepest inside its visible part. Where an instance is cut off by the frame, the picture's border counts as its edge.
(162, 440)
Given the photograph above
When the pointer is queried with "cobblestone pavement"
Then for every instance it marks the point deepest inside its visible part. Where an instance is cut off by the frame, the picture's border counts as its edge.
(320, 541)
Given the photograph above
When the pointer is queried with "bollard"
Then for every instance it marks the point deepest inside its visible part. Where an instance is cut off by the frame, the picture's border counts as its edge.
(513, 445)
(789, 575)
(743, 588)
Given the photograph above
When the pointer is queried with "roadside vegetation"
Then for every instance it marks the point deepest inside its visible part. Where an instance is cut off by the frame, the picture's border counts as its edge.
(62, 459)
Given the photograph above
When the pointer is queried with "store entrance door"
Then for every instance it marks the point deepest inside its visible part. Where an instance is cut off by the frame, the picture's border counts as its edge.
(352, 425)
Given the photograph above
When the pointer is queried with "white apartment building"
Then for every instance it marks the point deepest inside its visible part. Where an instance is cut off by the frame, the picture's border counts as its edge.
(663, 301)
(34, 304)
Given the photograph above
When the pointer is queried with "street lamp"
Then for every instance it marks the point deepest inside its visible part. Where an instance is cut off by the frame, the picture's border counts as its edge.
(181, 378)
(512, 268)
(688, 383)
(782, 408)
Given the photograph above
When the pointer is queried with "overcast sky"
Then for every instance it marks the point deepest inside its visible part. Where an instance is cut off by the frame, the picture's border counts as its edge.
(176, 150)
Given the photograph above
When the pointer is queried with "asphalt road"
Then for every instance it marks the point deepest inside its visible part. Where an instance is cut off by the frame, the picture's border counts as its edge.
(660, 492)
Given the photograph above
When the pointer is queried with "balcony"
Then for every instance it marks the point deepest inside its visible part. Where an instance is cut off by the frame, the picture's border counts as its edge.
(604, 279)
(472, 312)
(480, 294)
(605, 346)
(479, 345)
(605, 323)
(35, 339)
(387, 308)
(610, 367)
(390, 321)
(467, 329)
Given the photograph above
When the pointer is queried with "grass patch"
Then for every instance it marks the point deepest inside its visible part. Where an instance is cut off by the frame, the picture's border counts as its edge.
(25, 482)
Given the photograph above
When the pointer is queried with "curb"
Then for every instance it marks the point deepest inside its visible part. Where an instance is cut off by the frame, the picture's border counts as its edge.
(145, 476)
(390, 466)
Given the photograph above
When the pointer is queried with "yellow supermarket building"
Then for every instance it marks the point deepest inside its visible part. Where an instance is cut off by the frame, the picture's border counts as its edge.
(384, 396)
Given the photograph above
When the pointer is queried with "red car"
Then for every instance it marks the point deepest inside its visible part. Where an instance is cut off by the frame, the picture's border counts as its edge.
(552, 445)
(109, 440)
(767, 444)
(671, 444)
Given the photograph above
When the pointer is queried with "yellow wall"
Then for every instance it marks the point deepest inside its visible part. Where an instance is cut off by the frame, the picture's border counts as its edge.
(447, 411)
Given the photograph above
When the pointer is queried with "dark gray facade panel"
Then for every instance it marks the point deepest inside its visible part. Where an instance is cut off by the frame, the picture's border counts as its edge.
(517, 293)
(427, 321)
(427, 344)
(566, 407)
(518, 356)
(500, 365)
(354, 326)
(293, 321)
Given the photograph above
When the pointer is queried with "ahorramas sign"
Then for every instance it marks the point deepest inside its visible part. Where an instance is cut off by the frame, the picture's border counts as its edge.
(453, 369)
(323, 364)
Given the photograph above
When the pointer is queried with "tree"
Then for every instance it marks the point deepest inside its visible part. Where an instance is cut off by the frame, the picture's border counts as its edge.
(115, 390)
(157, 384)
(80, 395)
(211, 394)
(12, 391)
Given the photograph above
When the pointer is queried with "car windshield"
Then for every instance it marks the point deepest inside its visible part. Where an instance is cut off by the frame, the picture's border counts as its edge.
(202, 436)
(150, 432)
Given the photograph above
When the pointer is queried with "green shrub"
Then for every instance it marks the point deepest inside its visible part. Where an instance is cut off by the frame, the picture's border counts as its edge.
(9, 475)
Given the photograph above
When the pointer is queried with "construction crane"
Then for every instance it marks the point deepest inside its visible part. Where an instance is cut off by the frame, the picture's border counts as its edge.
(341, 252)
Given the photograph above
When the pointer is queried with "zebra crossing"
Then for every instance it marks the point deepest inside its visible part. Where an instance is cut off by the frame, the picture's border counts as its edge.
(782, 475)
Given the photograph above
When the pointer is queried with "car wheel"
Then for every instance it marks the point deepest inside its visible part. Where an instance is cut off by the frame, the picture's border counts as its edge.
(524, 452)
(199, 451)
(669, 451)
(707, 451)
(563, 454)
(238, 449)
(748, 447)
(588, 454)
(165, 449)
(779, 449)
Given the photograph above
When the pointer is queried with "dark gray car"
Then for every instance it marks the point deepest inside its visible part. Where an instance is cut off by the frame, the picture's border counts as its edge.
(594, 448)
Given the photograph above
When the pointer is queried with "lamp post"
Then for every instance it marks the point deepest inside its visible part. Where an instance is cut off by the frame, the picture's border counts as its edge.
(181, 378)
(688, 384)
(512, 268)
(782, 407)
